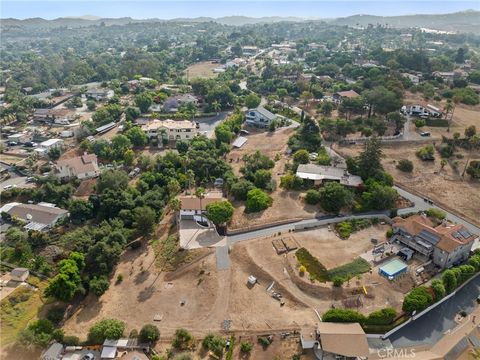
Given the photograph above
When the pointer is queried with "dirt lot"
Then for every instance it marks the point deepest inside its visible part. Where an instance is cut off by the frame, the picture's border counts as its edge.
(332, 251)
(203, 69)
(445, 186)
(280, 349)
(286, 204)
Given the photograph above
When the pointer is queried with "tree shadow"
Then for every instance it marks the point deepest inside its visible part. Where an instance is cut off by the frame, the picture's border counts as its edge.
(148, 292)
(141, 277)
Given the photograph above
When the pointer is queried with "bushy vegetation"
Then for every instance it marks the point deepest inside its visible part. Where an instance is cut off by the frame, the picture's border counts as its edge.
(405, 165)
(106, 329)
(316, 270)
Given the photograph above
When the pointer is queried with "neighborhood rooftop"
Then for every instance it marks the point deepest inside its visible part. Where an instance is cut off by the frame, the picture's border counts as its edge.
(343, 339)
(168, 124)
(320, 173)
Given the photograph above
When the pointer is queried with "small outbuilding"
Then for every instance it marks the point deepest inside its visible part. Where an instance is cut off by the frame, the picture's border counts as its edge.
(19, 274)
(393, 268)
(53, 352)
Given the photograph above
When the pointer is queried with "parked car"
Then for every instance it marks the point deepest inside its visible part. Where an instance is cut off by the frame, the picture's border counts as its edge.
(30, 144)
(88, 356)
(424, 133)
(8, 187)
(12, 143)
(313, 156)
(134, 172)
(244, 132)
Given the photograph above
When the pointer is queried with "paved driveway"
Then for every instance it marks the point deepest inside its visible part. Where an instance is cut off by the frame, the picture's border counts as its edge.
(429, 328)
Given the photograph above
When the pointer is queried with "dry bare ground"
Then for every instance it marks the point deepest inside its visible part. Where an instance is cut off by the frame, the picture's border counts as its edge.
(203, 69)
(445, 186)
(287, 205)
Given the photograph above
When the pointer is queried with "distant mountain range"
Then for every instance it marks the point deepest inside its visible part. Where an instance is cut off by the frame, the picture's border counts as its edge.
(465, 21)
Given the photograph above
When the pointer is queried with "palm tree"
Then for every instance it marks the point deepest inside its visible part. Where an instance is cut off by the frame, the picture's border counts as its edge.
(216, 106)
(200, 194)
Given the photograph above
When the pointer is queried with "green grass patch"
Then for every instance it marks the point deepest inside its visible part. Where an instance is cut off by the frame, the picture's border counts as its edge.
(436, 122)
(381, 329)
(314, 267)
(350, 270)
(18, 309)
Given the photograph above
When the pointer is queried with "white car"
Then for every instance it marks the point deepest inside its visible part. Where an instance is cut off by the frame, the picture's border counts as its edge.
(313, 156)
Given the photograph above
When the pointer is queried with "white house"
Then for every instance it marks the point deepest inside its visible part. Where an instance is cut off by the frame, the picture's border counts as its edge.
(413, 78)
(41, 216)
(20, 137)
(259, 117)
(319, 173)
(81, 167)
(51, 144)
(172, 130)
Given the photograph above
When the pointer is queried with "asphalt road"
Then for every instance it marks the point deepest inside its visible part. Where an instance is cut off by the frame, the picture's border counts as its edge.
(432, 326)
(208, 124)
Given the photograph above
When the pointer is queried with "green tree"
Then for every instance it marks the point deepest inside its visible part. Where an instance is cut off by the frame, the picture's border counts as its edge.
(112, 179)
(417, 300)
(438, 289)
(80, 210)
(220, 212)
(106, 329)
(39, 333)
(149, 333)
(223, 134)
(98, 285)
(54, 154)
(240, 189)
(301, 157)
(369, 160)
(257, 200)
(262, 178)
(144, 219)
(291, 182)
(449, 281)
(91, 105)
(333, 197)
(214, 343)
(252, 101)
(246, 347)
(470, 131)
(143, 101)
(312, 197)
(182, 339)
(132, 113)
(137, 137)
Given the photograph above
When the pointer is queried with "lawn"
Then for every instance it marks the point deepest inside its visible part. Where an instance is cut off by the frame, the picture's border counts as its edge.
(18, 309)
(352, 269)
(318, 271)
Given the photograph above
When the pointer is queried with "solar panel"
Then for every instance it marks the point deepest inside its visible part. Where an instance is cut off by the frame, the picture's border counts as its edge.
(465, 233)
(474, 340)
(428, 236)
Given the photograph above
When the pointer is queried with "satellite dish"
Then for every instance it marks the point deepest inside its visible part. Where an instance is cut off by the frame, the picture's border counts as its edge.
(29, 217)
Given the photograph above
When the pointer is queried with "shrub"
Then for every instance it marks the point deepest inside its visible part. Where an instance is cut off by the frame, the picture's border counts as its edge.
(426, 152)
(182, 339)
(417, 300)
(106, 329)
(149, 333)
(405, 165)
(312, 197)
(419, 123)
(246, 347)
(338, 281)
(302, 270)
(449, 280)
(262, 340)
(436, 213)
(344, 229)
(99, 285)
(183, 356)
(381, 317)
(55, 314)
(214, 343)
(241, 188)
(343, 316)
(257, 200)
(291, 182)
(438, 289)
(389, 233)
(119, 278)
(71, 340)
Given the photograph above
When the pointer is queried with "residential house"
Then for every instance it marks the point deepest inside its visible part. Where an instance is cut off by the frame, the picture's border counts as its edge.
(249, 50)
(192, 206)
(20, 137)
(80, 167)
(40, 217)
(446, 244)
(319, 174)
(173, 103)
(450, 76)
(330, 341)
(52, 144)
(100, 94)
(58, 116)
(19, 274)
(413, 78)
(237, 62)
(339, 96)
(422, 110)
(172, 130)
(259, 117)
(54, 352)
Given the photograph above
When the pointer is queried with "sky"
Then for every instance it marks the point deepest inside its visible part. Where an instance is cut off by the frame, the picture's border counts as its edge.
(167, 9)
